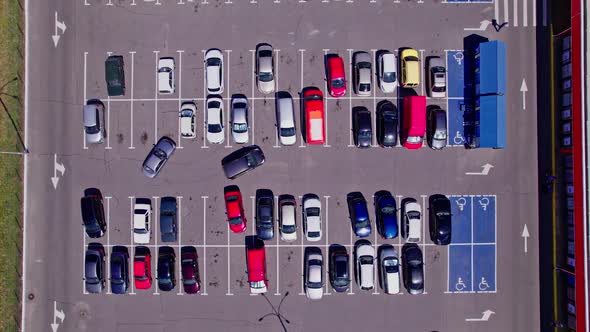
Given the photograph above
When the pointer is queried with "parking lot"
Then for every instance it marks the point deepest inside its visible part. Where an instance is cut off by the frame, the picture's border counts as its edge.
(484, 267)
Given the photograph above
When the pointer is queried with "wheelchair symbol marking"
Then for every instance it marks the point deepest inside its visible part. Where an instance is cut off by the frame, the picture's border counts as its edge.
(483, 285)
(461, 201)
(458, 57)
(460, 285)
(484, 202)
(458, 139)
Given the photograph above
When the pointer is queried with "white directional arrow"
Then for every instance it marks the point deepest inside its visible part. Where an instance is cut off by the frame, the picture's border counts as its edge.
(57, 167)
(58, 26)
(57, 314)
(484, 318)
(523, 89)
(525, 235)
(483, 25)
(486, 169)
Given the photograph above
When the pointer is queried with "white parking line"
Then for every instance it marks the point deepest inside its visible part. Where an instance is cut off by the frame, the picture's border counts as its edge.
(179, 259)
(326, 104)
(132, 245)
(471, 241)
(204, 244)
(108, 147)
(252, 97)
(422, 72)
(424, 217)
(204, 104)
(277, 235)
(302, 246)
(179, 145)
(302, 144)
(155, 217)
(375, 268)
(84, 100)
(108, 267)
(399, 218)
(228, 112)
(327, 205)
(275, 97)
(374, 116)
(350, 261)
(156, 101)
(515, 21)
(447, 94)
(84, 260)
(350, 140)
(253, 220)
(131, 104)
(228, 264)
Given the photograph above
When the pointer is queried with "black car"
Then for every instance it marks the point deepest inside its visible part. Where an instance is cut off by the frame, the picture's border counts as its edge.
(119, 270)
(166, 268)
(339, 270)
(168, 208)
(158, 156)
(264, 214)
(387, 119)
(115, 75)
(242, 160)
(439, 220)
(413, 269)
(363, 133)
(93, 218)
(436, 135)
(94, 272)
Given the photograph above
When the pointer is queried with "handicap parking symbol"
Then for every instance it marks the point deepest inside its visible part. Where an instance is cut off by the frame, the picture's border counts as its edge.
(460, 285)
(461, 201)
(483, 284)
(484, 202)
(458, 139)
(458, 57)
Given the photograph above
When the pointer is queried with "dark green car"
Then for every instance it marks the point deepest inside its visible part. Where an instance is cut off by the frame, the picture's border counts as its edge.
(115, 75)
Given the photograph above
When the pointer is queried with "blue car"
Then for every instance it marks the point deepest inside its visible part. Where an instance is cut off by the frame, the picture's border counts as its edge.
(386, 214)
(168, 209)
(119, 270)
(359, 214)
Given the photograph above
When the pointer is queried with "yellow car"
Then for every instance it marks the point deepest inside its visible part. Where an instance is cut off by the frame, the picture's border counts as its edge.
(410, 67)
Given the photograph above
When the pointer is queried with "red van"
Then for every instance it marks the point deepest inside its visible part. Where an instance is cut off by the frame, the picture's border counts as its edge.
(313, 103)
(336, 77)
(414, 122)
(256, 262)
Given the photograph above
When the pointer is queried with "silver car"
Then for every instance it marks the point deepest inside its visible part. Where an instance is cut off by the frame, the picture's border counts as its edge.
(158, 156)
(93, 120)
(437, 78)
(265, 79)
(362, 73)
(239, 119)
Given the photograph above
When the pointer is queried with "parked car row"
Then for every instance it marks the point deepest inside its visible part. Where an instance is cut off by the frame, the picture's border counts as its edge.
(95, 277)
(384, 203)
(383, 264)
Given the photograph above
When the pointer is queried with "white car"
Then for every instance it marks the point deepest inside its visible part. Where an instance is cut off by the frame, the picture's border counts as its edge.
(312, 217)
(214, 71)
(365, 267)
(362, 73)
(166, 76)
(387, 72)
(285, 118)
(390, 270)
(437, 78)
(215, 127)
(411, 220)
(239, 119)
(287, 224)
(142, 216)
(265, 79)
(314, 276)
(187, 120)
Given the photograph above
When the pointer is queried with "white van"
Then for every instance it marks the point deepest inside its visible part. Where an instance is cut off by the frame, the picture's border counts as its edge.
(365, 267)
(285, 118)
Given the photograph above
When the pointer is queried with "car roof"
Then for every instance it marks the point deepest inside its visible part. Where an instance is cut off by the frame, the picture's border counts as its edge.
(285, 109)
(388, 62)
(435, 62)
(336, 66)
(89, 115)
(362, 57)
(256, 263)
(360, 209)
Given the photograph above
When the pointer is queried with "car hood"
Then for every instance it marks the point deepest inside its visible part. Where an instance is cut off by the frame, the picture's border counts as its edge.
(288, 140)
(118, 288)
(142, 238)
(314, 293)
(389, 226)
(240, 138)
(216, 138)
(438, 144)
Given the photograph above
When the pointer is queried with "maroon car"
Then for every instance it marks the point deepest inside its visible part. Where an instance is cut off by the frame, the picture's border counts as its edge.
(190, 270)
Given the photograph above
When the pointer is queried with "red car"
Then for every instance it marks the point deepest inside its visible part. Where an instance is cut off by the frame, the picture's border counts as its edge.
(313, 103)
(256, 262)
(142, 267)
(190, 270)
(336, 76)
(235, 209)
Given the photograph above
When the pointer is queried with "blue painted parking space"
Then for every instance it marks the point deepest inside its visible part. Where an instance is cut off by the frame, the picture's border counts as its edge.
(484, 226)
(456, 76)
(484, 268)
(472, 252)
(455, 94)
(455, 123)
(460, 274)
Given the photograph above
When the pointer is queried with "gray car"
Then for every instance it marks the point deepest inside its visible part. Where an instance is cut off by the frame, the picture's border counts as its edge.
(362, 73)
(93, 120)
(239, 119)
(437, 129)
(158, 156)
(94, 268)
(242, 161)
(265, 79)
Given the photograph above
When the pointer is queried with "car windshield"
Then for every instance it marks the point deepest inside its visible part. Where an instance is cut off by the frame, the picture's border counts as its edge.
(388, 210)
(289, 229)
(265, 54)
(214, 128)
(251, 160)
(165, 70)
(391, 265)
(314, 284)
(411, 58)
(440, 135)
(213, 104)
(365, 133)
(140, 231)
(312, 212)
(414, 139)
(338, 83)
(257, 284)
(92, 130)
(164, 280)
(240, 127)
(439, 88)
(366, 260)
(189, 282)
(159, 153)
(362, 223)
(92, 228)
(117, 281)
(141, 278)
(265, 77)
(389, 77)
(235, 221)
(364, 65)
(313, 234)
(365, 87)
(413, 215)
(186, 113)
(214, 62)
(287, 132)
